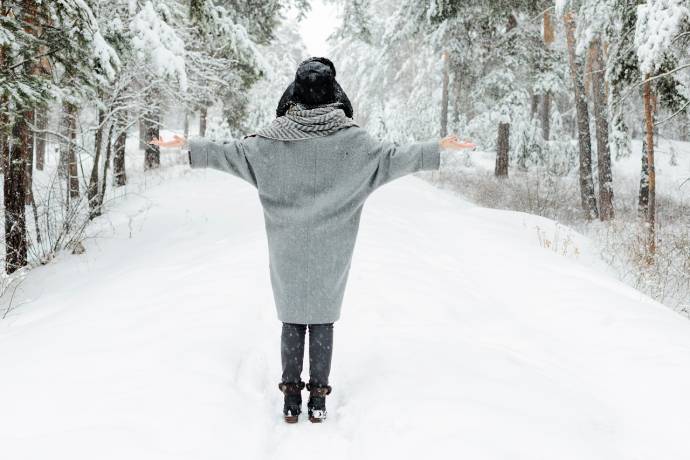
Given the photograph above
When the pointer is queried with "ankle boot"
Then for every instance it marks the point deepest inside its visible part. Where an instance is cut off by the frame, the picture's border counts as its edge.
(317, 402)
(292, 406)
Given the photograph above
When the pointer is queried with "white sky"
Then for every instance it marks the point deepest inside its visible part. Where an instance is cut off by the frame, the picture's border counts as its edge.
(317, 26)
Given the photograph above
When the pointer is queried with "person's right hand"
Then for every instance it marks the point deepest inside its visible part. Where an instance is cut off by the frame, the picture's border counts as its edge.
(453, 143)
(177, 141)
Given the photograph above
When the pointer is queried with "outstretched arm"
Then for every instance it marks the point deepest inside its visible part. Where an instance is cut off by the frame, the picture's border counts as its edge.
(397, 161)
(228, 156)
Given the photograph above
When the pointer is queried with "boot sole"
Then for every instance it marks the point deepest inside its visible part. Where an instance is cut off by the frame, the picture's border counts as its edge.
(316, 420)
(291, 418)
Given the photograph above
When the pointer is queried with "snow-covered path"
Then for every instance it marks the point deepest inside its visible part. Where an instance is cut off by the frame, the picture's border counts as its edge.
(461, 337)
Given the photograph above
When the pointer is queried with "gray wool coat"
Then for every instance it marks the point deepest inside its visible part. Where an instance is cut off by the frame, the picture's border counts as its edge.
(312, 192)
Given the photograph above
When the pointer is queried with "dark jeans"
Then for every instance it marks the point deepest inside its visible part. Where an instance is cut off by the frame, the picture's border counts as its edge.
(320, 352)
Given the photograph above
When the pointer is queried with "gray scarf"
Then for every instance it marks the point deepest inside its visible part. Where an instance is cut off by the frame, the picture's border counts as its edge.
(302, 122)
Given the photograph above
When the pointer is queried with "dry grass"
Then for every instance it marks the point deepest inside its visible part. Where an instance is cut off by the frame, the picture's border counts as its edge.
(621, 242)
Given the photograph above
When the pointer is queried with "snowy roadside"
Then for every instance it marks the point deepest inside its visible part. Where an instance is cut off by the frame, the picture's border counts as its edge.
(538, 191)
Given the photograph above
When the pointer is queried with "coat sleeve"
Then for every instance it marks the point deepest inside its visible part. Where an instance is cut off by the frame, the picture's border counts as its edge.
(227, 156)
(397, 161)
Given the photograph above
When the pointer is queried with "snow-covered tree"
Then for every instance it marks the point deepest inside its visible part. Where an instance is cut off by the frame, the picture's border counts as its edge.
(49, 49)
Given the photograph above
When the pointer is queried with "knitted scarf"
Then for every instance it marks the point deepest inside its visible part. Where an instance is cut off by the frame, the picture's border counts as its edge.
(303, 122)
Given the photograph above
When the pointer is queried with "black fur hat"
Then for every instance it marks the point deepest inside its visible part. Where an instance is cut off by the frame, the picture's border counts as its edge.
(314, 85)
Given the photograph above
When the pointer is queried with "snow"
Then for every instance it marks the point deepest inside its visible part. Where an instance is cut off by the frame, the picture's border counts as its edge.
(462, 337)
(105, 55)
(157, 43)
(658, 23)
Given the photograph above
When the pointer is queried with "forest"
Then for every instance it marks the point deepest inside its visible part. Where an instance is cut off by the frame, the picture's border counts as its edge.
(556, 94)
(520, 283)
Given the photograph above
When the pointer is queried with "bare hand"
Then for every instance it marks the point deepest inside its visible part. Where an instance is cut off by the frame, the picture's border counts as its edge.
(453, 143)
(177, 141)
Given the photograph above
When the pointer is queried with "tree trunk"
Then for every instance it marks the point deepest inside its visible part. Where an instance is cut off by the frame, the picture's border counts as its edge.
(503, 136)
(65, 121)
(203, 114)
(643, 198)
(28, 150)
(186, 124)
(92, 191)
(549, 32)
(142, 129)
(651, 174)
(444, 97)
(106, 165)
(534, 106)
(4, 110)
(152, 155)
(600, 109)
(41, 120)
(502, 149)
(4, 143)
(15, 196)
(456, 91)
(589, 203)
(546, 116)
(683, 131)
(71, 154)
(119, 172)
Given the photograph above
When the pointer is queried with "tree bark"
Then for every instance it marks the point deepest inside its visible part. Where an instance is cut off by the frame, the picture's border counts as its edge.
(589, 203)
(684, 131)
(546, 116)
(65, 120)
(456, 91)
(106, 164)
(186, 124)
(92, 191)
(643, 197)
(502, 149)
(142, 129)
(119, 172)
(152, 155)
(71, 154)
(600, 109)
(651, 174)
(203, 115)
(444, 97)
(28, 150)
(534, 106)
(503, 135)
(4, 110)
(15, 197)
(41, 120)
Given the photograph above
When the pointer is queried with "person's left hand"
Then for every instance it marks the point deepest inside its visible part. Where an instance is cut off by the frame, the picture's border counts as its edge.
(177, 141)
(453, 143)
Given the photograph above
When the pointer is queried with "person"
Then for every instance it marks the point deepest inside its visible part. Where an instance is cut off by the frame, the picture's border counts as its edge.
(313, 168)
